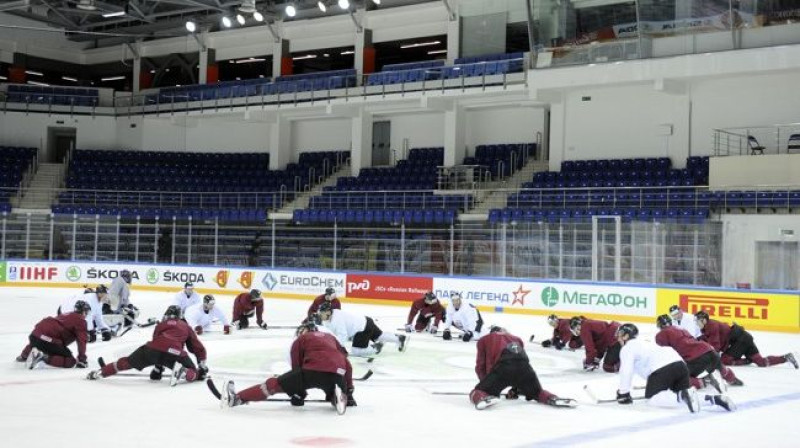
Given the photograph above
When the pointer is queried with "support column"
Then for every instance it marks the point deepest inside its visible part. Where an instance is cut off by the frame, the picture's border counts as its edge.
(364, 53)
(280, 143)
(453, 39)
(137, 74)
(202, 70)
(454, 135)
(16, 73)
(281, 59)
(361, 150)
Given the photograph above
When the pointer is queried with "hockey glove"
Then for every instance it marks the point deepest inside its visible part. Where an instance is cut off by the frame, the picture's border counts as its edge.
(351, 402)
(81, 365)
(467, 336)
(409, 328)
(434, 329)
(226, 329)
(446, 335)
(106, 335)
(557, 344)
(262, 325)
(297, 400)
(157, 373)
(92, 336)
(202, 370)
(512, 394)
(624, 398)
(198, 329)
(547, 343)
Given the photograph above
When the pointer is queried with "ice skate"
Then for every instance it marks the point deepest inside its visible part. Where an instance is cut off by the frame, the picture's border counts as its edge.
(486, 402)
(711, 380)
(339, 400)
(689, 396)
(377, 346)
(34, 358)
(722, 401)
(229, 398)
(562, 402)
(20, 358)
(177, 374)
(93, 375)
(403, 342)
(736, 382)
(791, 358)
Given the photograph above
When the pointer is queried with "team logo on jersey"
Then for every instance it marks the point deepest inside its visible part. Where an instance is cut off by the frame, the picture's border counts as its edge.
(519, 295)
(222, 278)
(550, 297)
(269, 281)
(73, 273)
(246, 279)
(152, 276)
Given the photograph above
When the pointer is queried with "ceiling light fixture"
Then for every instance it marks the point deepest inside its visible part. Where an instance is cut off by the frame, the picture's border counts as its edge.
(291, 11)
(226, 22)
(421, 44)
(322, 7)
(191, 26)
(31, 72)
(258, 16)
(308, 56)
(113, 14)
(69, 78)
(344, 4)
(240, 19)
(112, 78)
(346, 52)
(377, 2)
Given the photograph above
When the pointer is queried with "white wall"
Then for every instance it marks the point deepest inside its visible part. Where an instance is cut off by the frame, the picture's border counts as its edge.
(740, 234)
(321, 135)
(764, 170)
(503, 125)
(30, 130)
(422, 130)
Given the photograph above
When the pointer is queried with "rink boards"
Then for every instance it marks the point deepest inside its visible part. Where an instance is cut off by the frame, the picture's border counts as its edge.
(755, 309)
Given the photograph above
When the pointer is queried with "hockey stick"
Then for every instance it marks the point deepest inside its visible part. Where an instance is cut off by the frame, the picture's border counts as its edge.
(365, 376)
(594, 398)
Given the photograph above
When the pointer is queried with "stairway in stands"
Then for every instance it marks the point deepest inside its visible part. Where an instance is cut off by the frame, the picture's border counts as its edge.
(302, 199)
(499, 190)
(38, 196)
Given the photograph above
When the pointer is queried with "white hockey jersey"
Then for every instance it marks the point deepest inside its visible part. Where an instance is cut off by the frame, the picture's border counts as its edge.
(465, 318)
(196, 316)
(689, 323)
(642, 358)
(183, 301)
(119, 294)
(344, 325)
(95, 319)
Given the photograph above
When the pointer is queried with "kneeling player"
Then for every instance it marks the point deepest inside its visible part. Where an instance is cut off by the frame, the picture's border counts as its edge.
(50, 337)
(201, 315)
(430, 313)
(699, 356)
(245, 306)
(502, 362)
(664, 370)
(465, 317)
(735, 343)
(318, 362)
(562, 335)
(600, 342)
(164, 350)
(347, 326)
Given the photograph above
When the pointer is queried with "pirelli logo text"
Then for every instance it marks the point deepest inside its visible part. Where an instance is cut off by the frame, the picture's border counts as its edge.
(726, 307)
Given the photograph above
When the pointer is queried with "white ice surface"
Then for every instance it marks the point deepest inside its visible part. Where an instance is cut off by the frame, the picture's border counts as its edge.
(58, 408)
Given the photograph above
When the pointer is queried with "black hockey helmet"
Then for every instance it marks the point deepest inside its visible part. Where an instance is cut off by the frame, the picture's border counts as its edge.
(188, 285)
(173, 312)
(575, 322)
(324, 307)
(306, 326)
(101, 289)
(496, 329)
(628, 329)
(126, 275)
(552, 319)
(255, 295)
(430, 297)
(702, 314)
(208, 301)
(663, 321)
(674, 309)
(82, 307)
(329, 291)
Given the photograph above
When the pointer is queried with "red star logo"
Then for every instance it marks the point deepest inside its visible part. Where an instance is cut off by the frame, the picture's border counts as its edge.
(519, 296)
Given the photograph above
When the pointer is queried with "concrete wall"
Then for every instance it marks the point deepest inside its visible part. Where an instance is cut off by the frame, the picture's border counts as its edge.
(745, 172)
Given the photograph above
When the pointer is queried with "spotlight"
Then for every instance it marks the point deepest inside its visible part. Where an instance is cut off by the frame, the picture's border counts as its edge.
(377, 2)
(321, 6)
(226, 21)
(258, 16)
(291, 11)
(191, 26)
(344, 4)
(240, 19)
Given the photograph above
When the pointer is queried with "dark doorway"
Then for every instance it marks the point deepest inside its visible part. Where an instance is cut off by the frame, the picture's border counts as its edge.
(60, 141)
(381, 143)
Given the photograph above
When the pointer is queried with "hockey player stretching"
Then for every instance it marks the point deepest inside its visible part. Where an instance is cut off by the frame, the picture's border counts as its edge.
(164, 350)
(666, 373)
(318, 362)
(734, 342)
(347, 326)
(202, 315)
(50, 337)
(430, 313)
(465, 317)
(562, 335)
(502, 362)
(245, 306)
(329, 296)
(599, 341)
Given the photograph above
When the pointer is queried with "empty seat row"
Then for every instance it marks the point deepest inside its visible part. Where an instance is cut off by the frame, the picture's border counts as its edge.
(376, 216)
(391, 201)
(586, 214)
(234, 215)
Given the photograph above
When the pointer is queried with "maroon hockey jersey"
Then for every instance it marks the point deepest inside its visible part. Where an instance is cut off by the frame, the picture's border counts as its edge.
(679, 339)
(243, 304)
(171, 335)
(335, 304)
(490, 348)
(563, 334)
(716, 333)
(319, 351)
(597, 337)
(64, 330)
(434, 310)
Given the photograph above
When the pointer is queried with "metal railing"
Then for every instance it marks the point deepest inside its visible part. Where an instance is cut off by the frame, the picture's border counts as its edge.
(762, 139)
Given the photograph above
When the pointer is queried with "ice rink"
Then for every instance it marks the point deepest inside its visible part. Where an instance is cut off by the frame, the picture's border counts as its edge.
(396, 407)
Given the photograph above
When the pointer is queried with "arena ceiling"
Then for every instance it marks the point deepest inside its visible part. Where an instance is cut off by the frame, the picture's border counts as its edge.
(149, 19)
